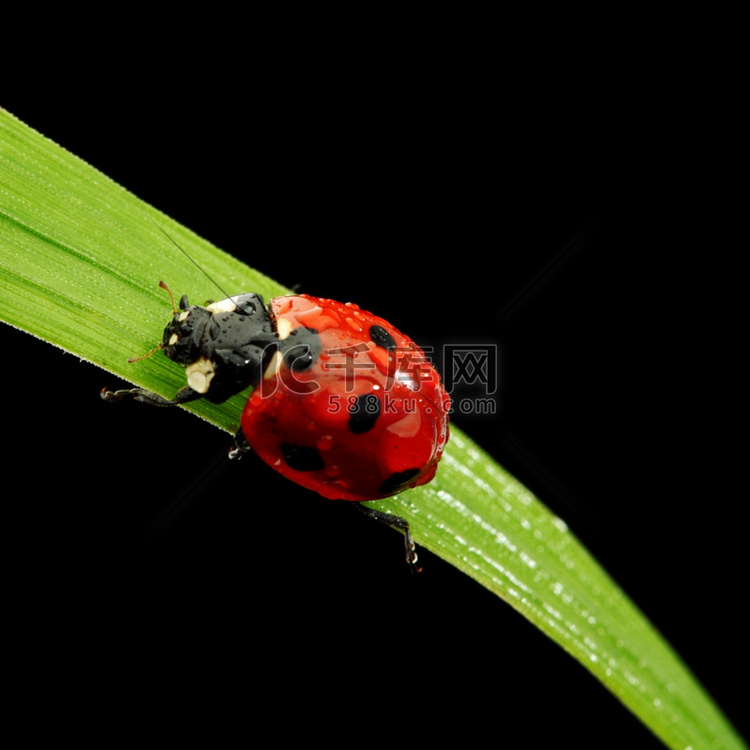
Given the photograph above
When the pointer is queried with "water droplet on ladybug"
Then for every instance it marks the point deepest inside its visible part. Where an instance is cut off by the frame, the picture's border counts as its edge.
(324, 443)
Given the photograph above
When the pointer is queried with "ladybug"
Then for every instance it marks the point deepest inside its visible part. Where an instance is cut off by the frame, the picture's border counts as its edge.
(343, 403)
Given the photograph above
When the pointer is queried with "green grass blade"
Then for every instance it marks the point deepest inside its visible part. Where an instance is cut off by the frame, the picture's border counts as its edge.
(77, 268)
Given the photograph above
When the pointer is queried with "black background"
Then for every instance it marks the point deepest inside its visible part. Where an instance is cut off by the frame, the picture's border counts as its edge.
(617, 327)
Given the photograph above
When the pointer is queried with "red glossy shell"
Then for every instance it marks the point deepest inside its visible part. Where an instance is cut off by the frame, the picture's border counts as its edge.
(308, 413)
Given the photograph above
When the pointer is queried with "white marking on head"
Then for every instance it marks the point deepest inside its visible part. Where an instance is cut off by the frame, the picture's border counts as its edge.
(283, 327)
(200, 374)
(273, 366)
(227, 305)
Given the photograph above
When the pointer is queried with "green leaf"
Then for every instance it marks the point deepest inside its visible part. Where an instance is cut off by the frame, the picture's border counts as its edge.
(63, 279)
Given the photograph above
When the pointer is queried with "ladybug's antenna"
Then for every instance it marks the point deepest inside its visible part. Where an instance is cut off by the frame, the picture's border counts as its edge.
(145, 356)
(162, 285)
(184, 252)
(175, 310)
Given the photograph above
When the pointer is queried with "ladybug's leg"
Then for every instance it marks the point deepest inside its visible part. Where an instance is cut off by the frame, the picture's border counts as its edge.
(241, 446)
(149, 397)
(396, 522)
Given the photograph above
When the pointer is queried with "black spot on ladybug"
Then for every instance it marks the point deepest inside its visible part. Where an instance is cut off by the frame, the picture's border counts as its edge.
(301, 458)
(301, 349)
(381, 337)
(363, 413)
(399, 479)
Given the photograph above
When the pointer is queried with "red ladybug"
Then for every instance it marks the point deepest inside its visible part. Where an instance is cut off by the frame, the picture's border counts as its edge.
(343, 403)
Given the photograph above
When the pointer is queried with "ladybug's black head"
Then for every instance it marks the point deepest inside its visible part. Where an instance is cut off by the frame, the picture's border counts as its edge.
(224, 347)
(182, 337)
